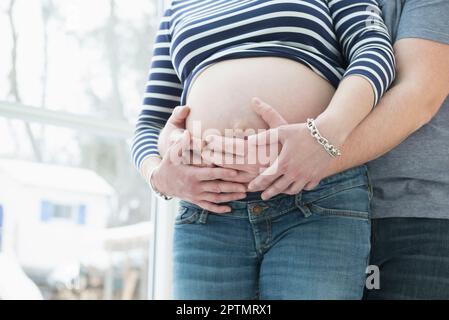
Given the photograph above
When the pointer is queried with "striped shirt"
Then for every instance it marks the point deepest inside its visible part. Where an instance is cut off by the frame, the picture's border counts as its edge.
(334, 38)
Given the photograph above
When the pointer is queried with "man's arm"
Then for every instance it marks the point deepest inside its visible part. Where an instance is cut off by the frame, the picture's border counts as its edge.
(421, 86)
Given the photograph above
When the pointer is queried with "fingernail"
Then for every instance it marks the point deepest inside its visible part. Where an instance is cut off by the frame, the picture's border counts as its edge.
(266, 197)
(251, 187)
(256, 101)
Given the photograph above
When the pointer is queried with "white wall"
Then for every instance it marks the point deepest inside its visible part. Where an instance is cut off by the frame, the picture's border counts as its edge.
(8, 191)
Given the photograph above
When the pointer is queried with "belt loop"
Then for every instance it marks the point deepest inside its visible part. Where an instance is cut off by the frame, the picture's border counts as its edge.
(302, 206)
(298, 199)
(370, 184)
(203, 216)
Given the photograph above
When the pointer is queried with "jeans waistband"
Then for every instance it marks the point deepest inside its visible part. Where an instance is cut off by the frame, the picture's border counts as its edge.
(253, 196)
(361, 170)
(282, 203)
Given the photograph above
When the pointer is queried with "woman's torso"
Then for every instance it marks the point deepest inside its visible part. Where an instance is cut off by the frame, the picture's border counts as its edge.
(226, 52)
(203, 33)
(220, 97)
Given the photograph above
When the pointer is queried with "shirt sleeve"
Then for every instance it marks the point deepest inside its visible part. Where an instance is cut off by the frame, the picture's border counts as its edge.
(425, 19)
(163, 93)
(365, 42)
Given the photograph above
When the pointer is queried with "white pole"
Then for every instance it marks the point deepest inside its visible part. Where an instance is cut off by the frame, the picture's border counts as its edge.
(163, 250)
(160, 255)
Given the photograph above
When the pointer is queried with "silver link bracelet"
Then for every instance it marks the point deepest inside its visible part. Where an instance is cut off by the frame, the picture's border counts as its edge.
(332, 150)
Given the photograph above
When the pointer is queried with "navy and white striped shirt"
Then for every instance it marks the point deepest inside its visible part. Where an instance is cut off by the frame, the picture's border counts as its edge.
(334, 38)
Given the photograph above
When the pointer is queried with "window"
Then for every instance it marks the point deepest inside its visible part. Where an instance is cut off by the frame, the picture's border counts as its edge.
(63, 212)
(71, 87)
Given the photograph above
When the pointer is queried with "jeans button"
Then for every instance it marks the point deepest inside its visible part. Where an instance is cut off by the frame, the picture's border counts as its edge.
(257, 209)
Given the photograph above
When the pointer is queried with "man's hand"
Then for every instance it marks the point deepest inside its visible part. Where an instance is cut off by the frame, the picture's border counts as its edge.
(174, 128)
(203, 186)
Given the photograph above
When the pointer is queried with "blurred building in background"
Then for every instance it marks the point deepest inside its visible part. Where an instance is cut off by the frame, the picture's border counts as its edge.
(128, 253)
(54, 219)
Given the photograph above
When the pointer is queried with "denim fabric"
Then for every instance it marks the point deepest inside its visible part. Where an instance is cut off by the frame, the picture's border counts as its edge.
(314, 245)
(413, 258)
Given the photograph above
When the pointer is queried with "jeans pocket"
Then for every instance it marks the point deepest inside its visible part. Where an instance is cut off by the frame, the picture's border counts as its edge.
(353, 202)
(187, 215)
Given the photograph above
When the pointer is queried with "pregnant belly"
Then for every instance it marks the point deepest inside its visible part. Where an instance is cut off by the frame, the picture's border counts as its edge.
(220, 97)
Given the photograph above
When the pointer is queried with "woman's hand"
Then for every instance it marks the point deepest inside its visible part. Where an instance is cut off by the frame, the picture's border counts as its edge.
(234, 153)
(203, 186)
(303, 161)
(298, 166)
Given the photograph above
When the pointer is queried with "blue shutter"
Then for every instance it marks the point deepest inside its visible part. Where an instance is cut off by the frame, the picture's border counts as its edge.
(46, 211)
(82, 214)
(1, 216)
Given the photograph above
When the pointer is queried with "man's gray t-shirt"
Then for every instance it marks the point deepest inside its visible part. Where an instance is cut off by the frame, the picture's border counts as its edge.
(413, 179)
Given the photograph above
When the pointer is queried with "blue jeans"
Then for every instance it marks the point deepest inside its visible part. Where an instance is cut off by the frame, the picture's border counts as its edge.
(413, 258)
(313, 245)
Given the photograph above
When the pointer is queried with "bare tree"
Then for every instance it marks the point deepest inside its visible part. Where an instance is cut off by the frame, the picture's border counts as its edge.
(46, 9)
(14, 87)
(111, 159)
(108, 157)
